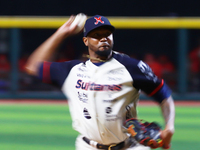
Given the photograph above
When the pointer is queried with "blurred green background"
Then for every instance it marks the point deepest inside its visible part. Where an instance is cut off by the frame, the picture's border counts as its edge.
(48, 126)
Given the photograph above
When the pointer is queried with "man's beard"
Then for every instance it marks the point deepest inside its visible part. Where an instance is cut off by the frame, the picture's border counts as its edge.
(104, 53)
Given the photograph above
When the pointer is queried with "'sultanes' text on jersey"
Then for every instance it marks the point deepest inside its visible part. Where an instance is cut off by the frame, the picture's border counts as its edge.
(97, 87)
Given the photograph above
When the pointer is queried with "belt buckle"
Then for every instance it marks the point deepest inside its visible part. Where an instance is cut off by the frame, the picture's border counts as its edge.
(112, 145)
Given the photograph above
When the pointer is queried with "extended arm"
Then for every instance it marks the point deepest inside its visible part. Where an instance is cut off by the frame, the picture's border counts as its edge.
(45, 51)
(168, 110)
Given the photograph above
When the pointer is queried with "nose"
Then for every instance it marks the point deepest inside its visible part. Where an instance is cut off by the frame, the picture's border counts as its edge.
(103, 39)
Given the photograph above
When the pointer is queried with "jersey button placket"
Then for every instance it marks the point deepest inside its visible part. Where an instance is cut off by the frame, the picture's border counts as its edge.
(102, 133)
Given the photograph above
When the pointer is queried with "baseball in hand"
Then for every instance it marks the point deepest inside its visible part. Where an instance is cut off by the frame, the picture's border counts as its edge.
(79, 21)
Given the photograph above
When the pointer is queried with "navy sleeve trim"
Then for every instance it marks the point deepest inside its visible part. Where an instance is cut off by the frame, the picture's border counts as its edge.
(162, 94)
(157, 89)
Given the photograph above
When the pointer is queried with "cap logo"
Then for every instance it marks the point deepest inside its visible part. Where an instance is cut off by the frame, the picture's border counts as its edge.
(98, 20)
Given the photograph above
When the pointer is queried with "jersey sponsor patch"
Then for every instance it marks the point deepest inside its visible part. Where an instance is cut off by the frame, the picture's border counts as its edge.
(83, 97)
(86, 114)
(82, 68)
(108, 110)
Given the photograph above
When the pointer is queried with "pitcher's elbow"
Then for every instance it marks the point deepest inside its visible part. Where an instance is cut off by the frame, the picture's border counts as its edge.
(30, 70)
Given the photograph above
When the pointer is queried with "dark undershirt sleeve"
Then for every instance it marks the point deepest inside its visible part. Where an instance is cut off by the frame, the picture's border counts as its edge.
(55, 72)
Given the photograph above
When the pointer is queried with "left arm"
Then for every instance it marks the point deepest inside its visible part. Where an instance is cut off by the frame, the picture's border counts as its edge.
(147, 81)
(168, 111)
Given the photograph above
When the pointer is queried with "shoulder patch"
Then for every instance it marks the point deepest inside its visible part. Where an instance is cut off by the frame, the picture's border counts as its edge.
(147, 71)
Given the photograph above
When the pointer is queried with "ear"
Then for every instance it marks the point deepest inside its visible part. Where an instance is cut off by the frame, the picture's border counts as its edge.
(85, 41)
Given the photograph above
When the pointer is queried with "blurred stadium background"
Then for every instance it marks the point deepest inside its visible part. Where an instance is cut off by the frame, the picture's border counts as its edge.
(166, 35)
(162, 42)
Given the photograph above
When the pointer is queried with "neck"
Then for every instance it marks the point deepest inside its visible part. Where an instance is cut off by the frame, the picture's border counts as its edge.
(96, 59)
(93, 59)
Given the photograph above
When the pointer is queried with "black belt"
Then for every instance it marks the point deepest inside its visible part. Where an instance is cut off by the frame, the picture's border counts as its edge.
(106, 147)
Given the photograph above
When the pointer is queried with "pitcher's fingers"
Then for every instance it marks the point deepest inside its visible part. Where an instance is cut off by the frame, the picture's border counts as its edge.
(71, 19)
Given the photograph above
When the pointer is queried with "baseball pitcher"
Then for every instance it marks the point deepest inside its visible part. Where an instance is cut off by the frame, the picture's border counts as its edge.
(104, 90)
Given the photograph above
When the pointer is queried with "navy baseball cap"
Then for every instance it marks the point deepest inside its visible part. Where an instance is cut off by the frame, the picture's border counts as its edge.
(96, 22)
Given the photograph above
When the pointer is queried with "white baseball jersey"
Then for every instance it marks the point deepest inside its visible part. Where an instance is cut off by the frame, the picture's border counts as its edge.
(101, 94)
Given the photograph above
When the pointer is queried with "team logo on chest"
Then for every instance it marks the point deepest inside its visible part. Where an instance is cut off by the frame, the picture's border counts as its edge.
(98, 20)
